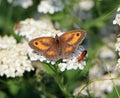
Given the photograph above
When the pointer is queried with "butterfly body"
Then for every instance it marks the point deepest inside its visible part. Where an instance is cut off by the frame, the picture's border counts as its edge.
(59, 47)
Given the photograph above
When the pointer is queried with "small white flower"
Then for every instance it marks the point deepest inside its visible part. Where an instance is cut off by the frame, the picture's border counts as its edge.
(23, 3)
(118, 9)
(117, 17)
(106, 53)
(62, 66)
(7, 42)
(50, 6)
(86, 4)
(117, 45)
(78, 89)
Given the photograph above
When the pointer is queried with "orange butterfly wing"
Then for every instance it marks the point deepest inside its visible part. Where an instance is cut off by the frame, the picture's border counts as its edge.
(70, 41)
(45, 46)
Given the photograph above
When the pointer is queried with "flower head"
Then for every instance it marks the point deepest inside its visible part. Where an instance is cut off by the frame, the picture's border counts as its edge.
(31, 29)
(50, 6)
(86, 4)
(99, 87)
(117, 18)
(118, 49)
(13, 58)
(7, 42)
(23, 3)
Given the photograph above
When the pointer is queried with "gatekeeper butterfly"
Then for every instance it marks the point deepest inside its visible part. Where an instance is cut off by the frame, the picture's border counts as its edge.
(59, 47)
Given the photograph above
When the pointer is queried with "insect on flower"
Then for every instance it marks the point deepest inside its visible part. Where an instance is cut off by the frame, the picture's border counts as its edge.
(82, 55)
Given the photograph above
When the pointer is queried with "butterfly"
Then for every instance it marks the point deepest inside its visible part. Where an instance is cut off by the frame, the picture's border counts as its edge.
(59, 47)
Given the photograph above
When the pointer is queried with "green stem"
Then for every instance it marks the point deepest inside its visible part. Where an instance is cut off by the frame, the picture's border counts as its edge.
(52, 68)
(98, 6)
(58, 79)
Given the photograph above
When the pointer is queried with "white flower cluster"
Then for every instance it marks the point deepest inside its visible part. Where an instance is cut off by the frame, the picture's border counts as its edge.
(82, 9)
(6, 43)
(98, 88)
(99, 83)
(118, 49)
(13, 57)
(50, 6)
(104, 79)
(31, 29)
(23, 3)
(86, 5)
(117, 18)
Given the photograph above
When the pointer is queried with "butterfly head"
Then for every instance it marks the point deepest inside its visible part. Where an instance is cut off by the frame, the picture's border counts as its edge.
(57, 39)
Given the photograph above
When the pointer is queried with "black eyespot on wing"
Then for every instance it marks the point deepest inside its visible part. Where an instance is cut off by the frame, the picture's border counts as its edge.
(78, 34)
(36, 43)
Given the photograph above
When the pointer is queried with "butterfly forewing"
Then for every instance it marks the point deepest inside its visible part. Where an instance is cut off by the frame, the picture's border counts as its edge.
(44, 45)
(73, 37)
(70, 41)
